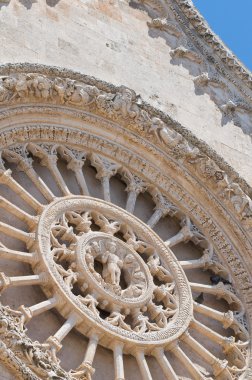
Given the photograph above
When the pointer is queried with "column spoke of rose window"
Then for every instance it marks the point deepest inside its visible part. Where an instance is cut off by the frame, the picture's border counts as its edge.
(49, 160)
(143, 365)
(163, 207)
(6, 179)
(118, 361)
(24, 164)
(18, 212)
(37, 309)
(75, 163)
(135, 186)
(15, 281)
(167, 369)
(10, 254)
(105, 170)
(187, 363)
(219, 367)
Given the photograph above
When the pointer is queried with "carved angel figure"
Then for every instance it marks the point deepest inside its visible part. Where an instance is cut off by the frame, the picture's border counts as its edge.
(241, 202)
(42, 87)
(124, 102)
(80, 95)
(142, 324)
(69, 276)
(112, 265)
(157, 269)
(117, 319)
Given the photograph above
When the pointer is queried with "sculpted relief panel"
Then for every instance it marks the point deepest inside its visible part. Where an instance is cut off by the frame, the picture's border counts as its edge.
(124, 254)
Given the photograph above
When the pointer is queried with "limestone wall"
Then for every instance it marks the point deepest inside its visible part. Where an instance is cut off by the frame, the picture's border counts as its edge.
(111, 40)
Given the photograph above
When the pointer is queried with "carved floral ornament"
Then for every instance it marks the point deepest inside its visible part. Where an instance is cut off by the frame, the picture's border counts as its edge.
(105, 271)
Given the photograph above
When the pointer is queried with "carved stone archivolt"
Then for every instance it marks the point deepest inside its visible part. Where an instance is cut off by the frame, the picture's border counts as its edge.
(105, 271)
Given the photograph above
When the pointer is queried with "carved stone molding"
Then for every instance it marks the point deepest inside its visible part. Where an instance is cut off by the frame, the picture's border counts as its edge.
(86, 270)
(190, 39)
(123, 105)
(227, 57)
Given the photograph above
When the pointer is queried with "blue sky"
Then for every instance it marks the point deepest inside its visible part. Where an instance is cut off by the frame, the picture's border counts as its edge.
(232, 21)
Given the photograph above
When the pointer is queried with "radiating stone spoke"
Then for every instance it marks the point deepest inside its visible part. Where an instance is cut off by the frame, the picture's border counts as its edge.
(192, 264)
(218, 366)
(184, 235)
(106, 188)
(10, 254)
(118, 361)
(188, 232)
(143, 365)
(77, 169)
(18, 212)
(75, 164)
(227, 319)
(163, 208)
(85, 369)
(91, 349)
(165, 365)
(28, 238)
(20, 280)
(51, 163)
(131, 201)
(66, 328)
(220, 291)
(6, 179)
(49, 160)
(24, 164)
(135, 186)
(37, 309)
(54, 342)
(209, 333)
(154, 219)
(105, 170)
(40, 184)
(189, 365)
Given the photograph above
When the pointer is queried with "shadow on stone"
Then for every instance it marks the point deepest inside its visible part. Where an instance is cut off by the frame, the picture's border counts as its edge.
(52, 3)
(27, 3)
(4, 3)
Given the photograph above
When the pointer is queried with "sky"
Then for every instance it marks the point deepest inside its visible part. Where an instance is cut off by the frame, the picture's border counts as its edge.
(231, 20)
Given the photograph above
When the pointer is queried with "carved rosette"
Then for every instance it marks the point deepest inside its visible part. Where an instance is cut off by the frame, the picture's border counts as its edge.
(95, 271)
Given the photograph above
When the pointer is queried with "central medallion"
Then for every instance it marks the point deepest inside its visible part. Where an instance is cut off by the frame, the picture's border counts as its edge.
(113, 271)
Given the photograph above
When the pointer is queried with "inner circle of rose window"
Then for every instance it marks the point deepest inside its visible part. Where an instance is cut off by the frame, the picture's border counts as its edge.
(111, 263)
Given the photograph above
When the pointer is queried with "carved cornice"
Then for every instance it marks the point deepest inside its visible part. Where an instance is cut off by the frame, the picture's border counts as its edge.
(118, 103)
(210, 38)
(200, 45)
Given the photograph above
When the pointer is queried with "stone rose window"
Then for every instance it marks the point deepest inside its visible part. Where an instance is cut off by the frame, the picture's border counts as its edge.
(109, 245)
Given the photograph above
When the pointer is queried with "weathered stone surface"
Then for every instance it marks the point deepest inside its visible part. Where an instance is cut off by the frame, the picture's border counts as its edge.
(112, 41)
(91, 174)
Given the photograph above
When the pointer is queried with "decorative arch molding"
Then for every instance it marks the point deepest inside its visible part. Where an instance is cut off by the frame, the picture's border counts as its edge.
(43, 109)
(210, 44)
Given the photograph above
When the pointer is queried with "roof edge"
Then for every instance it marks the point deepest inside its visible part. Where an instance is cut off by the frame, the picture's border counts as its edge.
(211, 39)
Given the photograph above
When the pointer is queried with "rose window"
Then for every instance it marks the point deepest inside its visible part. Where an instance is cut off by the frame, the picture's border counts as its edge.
(120, 267)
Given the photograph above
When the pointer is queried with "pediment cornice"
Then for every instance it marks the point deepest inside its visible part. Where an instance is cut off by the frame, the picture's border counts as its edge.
(188, 16)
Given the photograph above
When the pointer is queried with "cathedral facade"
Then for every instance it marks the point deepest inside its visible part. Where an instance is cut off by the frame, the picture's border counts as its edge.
(125, 194)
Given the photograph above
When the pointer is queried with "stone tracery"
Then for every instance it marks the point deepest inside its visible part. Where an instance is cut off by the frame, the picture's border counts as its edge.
(87, 272)
(77, 251)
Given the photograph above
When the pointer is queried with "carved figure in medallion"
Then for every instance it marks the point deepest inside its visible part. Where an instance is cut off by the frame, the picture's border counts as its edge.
(112, 265)
(157, 269)
(69, 276)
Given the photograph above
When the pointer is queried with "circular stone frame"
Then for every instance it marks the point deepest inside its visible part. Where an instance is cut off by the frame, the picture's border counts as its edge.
(69, 302)
(113, 298)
